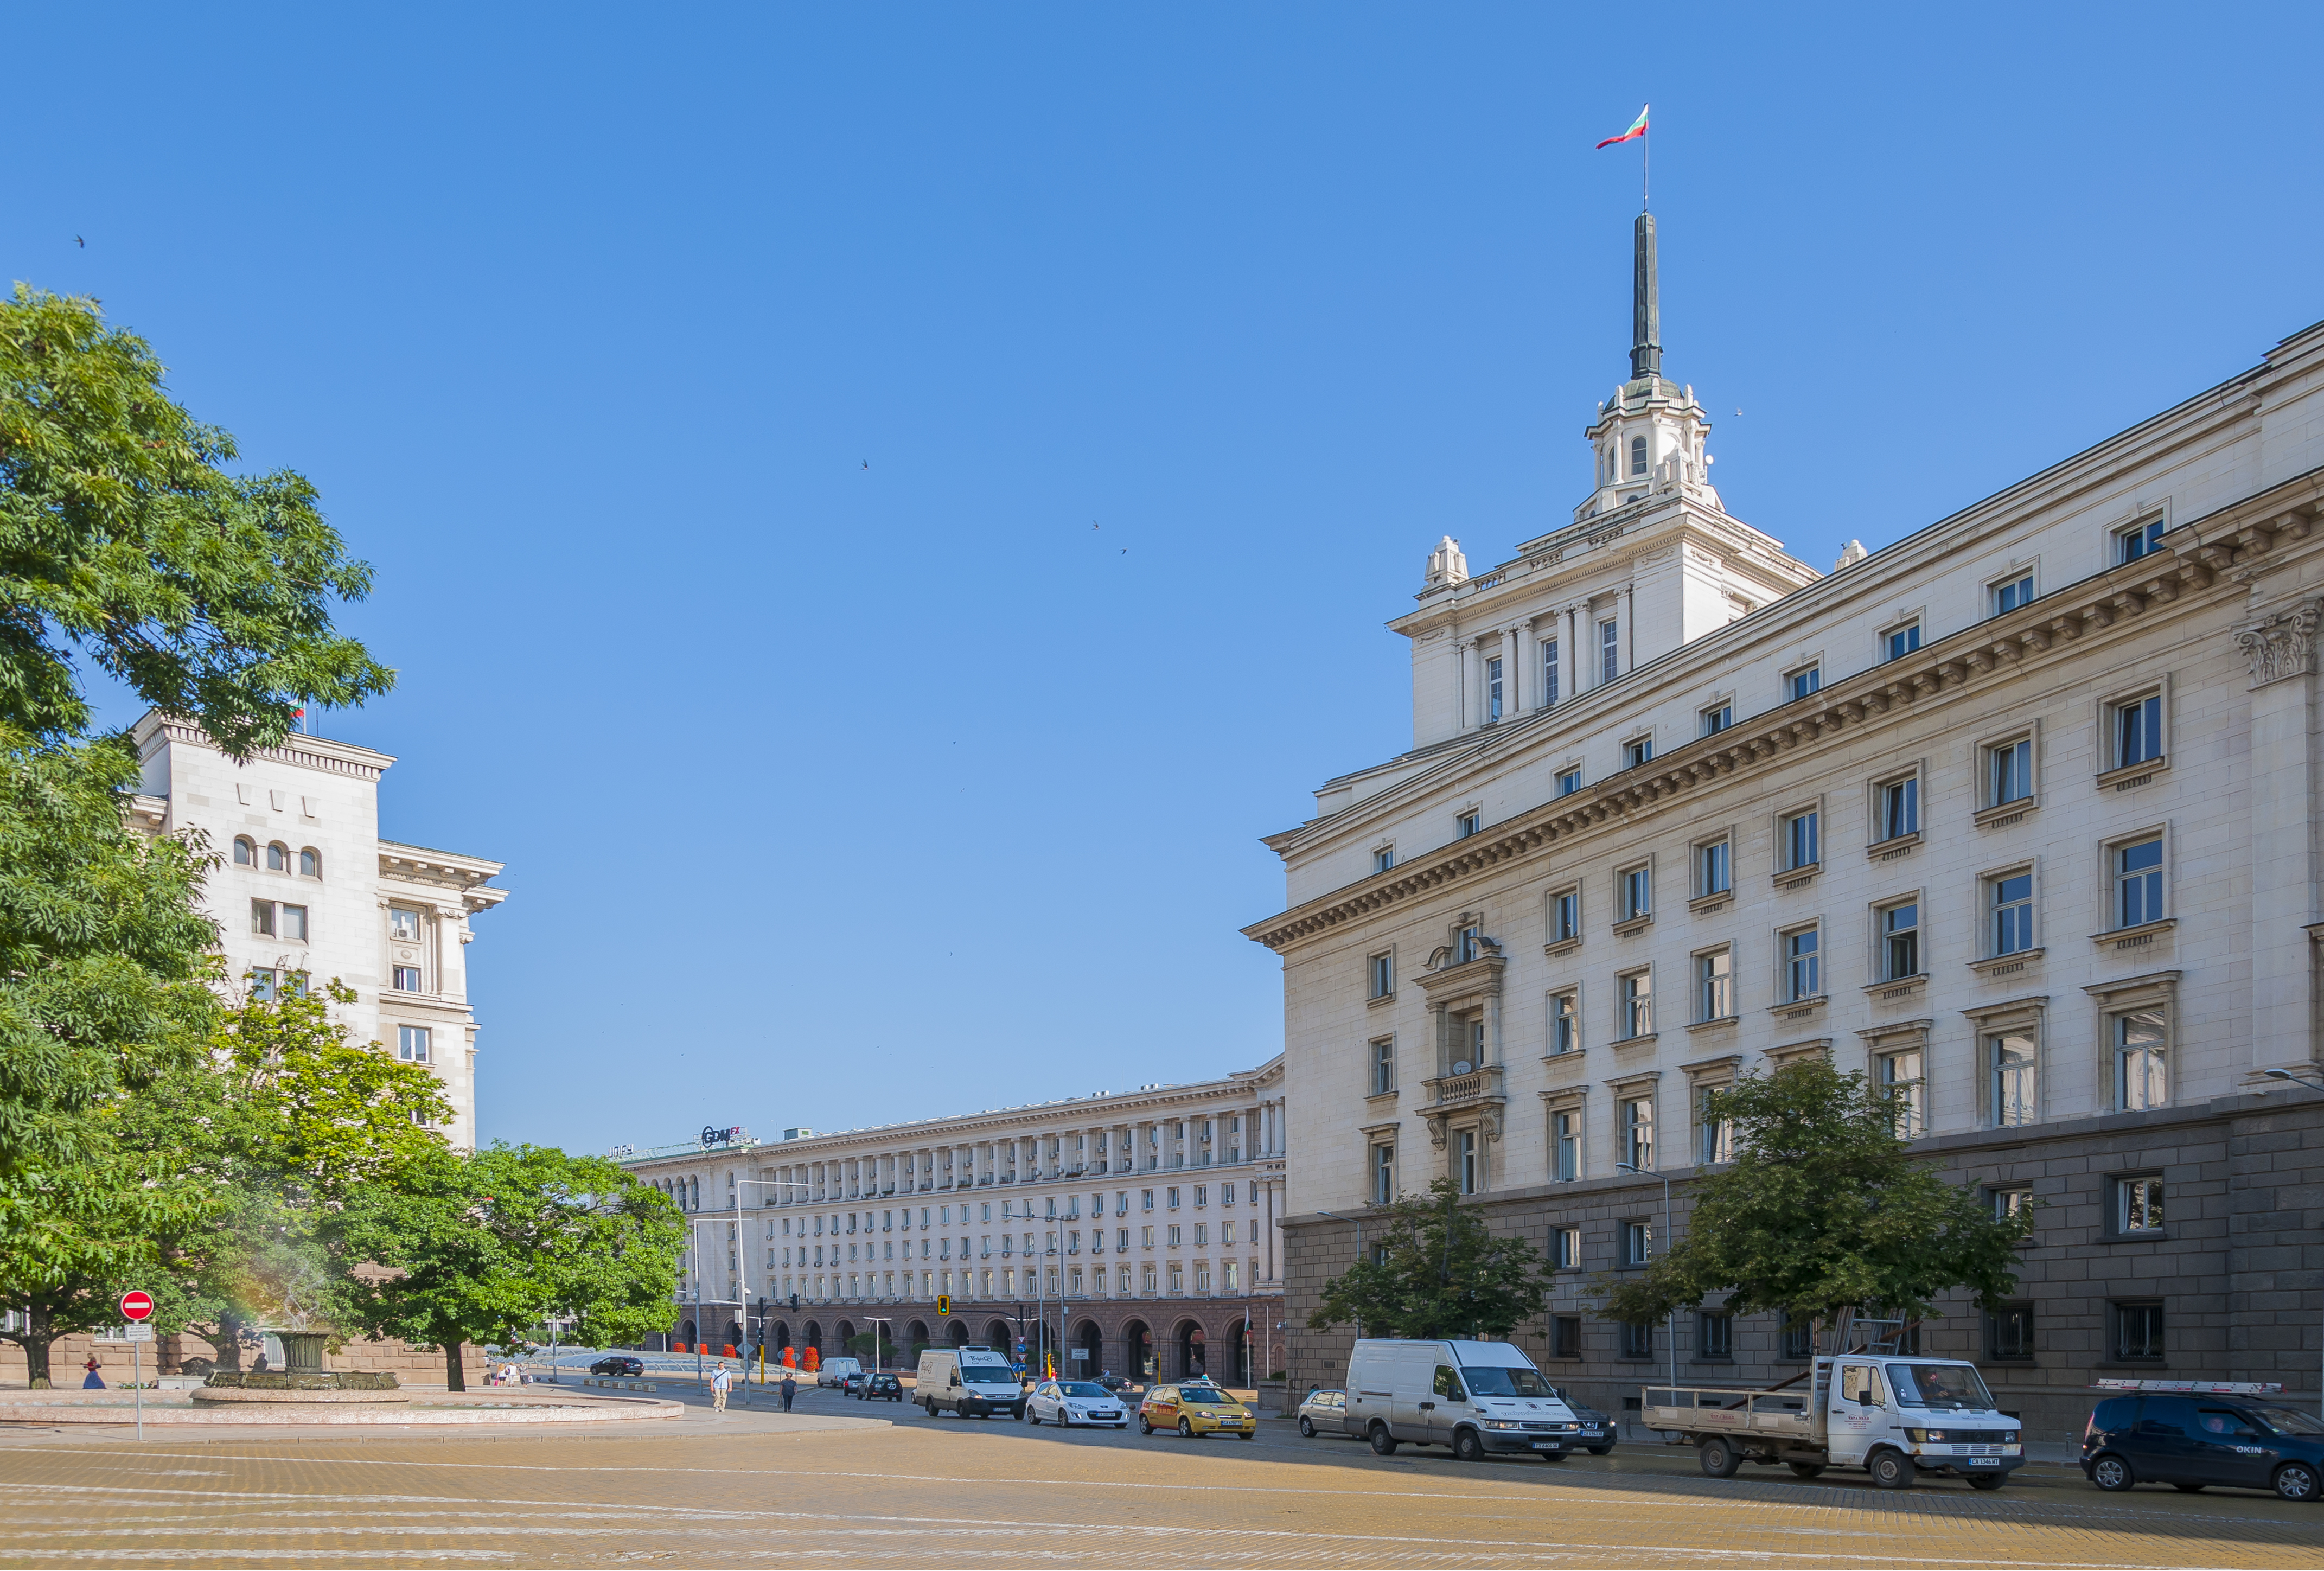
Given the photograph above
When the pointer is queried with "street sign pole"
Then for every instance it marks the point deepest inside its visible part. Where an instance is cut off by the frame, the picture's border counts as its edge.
(137, 1308)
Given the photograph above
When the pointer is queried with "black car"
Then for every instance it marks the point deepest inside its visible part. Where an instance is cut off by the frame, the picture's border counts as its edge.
(618, 1367)
(852, 1383)
(884, 1388)
(2192, 1442)
(1114, 1382)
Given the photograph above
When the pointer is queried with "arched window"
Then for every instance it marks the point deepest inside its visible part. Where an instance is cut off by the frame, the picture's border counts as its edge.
(246, 853)
(278, 858)
(1638, 456)
(310, 862)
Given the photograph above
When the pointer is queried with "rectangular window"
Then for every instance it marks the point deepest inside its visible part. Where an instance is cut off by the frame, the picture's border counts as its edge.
(1493, 688)
(1714, 868)
(1897, 807)
(1566, 1247)
(1565, 1336)
(1718, 717)
(2137, 883)
(1383, 1174)
(1468, 824)
(2137, 731)
(1714, 1335)
(1383, 859)
(1565, 915)
(1549, 671)
(261, 986)
(2009, 1066)
(2140, 1078)
(1803, 844)
(1899, 642)
(2138, 1204)
(1569, 781)
(403, 926)
(1565, 1146)
(1638, 456)
(1466, 1161)
(1802, 964)
(294, 923)
(1383, 975)
(1714, 985)
(1804, 682)
(2010, 898)
(1175, 1236)
(1638, 750)
(2138, 1333)
(1383, 1066)
(2009, 1332)
(1565, 1022)
(261, 918)
(1900, 941)
(1638, 1132)
(2009, 771)
(2010, 1199)
(2011, 593)
(1717, 1134)
(1635, 992)
(1637, 1338)
(1901, 1082)
(407, 979)
(1638, 1242)
(2141, 539)
(411, 1043)
(1633, 889)
(1799, 1341)
(1610, 651)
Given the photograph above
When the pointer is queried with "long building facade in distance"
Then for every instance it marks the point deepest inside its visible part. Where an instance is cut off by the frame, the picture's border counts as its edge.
(2017, 816)
(1133, 1232)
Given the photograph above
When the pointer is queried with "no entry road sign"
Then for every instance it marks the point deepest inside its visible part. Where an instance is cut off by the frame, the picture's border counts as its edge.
(136, 1305)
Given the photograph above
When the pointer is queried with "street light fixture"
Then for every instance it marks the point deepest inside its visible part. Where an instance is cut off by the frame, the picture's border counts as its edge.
(1670, 1328)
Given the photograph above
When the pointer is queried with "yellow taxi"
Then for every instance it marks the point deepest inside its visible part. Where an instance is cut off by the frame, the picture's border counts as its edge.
(1195, 1410)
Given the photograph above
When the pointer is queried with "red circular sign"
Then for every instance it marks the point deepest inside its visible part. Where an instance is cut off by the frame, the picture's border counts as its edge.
(137, 1305)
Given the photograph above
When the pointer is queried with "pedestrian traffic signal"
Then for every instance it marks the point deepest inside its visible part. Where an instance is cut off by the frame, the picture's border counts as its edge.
(944, 1303)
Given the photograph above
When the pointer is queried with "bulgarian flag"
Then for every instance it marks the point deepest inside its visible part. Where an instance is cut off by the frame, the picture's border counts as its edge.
(1637, 129)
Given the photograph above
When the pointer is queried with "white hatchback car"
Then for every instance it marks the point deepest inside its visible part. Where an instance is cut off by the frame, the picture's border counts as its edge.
(1067, 1403)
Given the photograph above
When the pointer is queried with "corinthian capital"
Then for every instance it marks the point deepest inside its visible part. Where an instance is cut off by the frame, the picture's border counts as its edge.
(2280, 644)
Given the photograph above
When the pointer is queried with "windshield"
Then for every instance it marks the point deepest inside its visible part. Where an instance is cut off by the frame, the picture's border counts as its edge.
(1939, 1385)
(2288, 1421)
(1199, 1396)
(1501, 1380)
(988, 1373)
(1083, 1388)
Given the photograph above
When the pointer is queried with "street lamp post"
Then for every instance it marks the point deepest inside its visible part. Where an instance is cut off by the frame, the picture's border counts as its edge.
(1670, 1328)
(2313, 1080)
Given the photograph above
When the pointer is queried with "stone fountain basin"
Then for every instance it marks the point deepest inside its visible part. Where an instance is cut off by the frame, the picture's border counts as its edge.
(205, 1395)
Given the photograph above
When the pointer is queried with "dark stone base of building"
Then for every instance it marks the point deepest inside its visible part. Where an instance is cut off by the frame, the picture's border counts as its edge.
(2229, 1287)
(1229, 1339)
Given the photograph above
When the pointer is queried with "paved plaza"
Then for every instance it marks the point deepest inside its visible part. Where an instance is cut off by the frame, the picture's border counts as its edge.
(832, 1486)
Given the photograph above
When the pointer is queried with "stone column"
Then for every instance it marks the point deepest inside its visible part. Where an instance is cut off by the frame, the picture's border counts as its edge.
(2279, 649)
(1513, 702)
(1629, 627)
(1471, 705)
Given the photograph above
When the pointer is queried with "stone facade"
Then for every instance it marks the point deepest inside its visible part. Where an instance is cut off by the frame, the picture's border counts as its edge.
(1140, 1227)
(2017, 815)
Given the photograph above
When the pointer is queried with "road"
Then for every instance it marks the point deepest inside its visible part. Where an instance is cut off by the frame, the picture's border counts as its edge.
(752, 1488)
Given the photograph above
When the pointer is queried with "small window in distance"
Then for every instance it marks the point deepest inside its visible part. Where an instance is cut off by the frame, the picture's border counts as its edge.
(1802, 964)
(2009, 1332)
(1550, 671)
(1465, 1162)
(1565, 915)
(1383, 859)
(2141, 539)
(1900, 940)
(1638, 1242)
(2013, 592)
(261, 918)
(1714, 868)
(246, 853)
(2138, 1333)
(1899, 642)
(1565, 1154)
(403, 926)
(294, 923)
(411, 1043)
(1799, 1341)
(1717, 1135)
(2137, 727)
(1718, 717)
(1638, 1136)
(1638, 750)
(407, 979)
(2010, 1200)
(1638, 456)
(1383, 1066)
(1636, 888)
(2012, 898)
(1170, 1197)
(1493, 688)
(1569, 781)
(278, 859)
(2138, 1204)
(1565, 1336)
(1637, 1338)
(2009, 1061)
(1145, 1199)
(1900, 1081)
(310, 862)
(2009, 771)
(1565, 1025)
(1383, 1175)
(1468, 824)
(1804, 681)
(2138, 882)
(1714, 1335)
(1383, 975)
(1566, 1247)
(1896, 807)
(262, 987)
(1714, 985)
(1802, 846)
(1610, 651)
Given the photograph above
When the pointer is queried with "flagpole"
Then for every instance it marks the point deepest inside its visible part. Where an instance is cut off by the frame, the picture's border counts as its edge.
(1646, 169)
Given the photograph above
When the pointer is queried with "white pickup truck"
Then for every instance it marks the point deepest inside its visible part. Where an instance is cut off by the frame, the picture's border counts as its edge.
(1894, 1415)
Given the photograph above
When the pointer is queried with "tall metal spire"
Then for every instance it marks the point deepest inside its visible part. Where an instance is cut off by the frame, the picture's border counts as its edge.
(1645, 305)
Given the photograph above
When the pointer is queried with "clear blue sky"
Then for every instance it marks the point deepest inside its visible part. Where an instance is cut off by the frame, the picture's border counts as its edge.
(834, 794)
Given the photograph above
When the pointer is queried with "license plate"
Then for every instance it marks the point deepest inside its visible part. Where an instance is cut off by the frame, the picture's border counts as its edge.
(1549, 1444)
(1984, 1462)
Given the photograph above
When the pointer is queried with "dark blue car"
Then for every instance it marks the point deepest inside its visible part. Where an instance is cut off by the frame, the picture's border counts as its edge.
(2194, 1442)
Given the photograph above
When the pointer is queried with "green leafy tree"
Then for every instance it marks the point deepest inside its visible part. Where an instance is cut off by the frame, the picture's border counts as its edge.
(483, 1246)
(1437, 1271)
(1823, 1209)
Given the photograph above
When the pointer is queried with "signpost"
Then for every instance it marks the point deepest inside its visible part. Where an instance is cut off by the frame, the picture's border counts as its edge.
(137, 1308)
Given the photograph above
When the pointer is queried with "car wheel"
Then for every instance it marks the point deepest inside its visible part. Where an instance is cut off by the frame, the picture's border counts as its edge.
(1032, 1417)
(1143, 1427)
(1307, 1427)
(1807, 1469)
(1989, 1480)
(2296, 1481)
(1186, 1429)
(1552, 1455)
(1599, 1450)
(1891, 1470)
(1719, 1457)
(2112, 1474)
(1383, 1442)
(1247, 1435)
(1467, 1446)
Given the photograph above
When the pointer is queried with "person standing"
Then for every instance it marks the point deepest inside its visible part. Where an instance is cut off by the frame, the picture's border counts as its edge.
(719, 1383)
(92, 1381)
(790, 1386)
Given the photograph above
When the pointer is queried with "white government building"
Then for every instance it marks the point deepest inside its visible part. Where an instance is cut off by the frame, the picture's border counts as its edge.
(306, 889)
(2017, 816)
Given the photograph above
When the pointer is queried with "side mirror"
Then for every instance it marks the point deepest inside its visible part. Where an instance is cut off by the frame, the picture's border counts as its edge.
(1864, 1399)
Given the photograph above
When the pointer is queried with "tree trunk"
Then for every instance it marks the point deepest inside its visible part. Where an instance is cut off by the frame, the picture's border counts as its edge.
(455, 1376)
(35, 1343)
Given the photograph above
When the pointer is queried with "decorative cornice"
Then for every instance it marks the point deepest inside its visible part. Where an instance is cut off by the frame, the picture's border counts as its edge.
(2192, 559)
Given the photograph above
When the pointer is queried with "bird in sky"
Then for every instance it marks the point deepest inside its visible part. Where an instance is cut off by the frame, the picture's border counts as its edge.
(81, 243)
(867, 463)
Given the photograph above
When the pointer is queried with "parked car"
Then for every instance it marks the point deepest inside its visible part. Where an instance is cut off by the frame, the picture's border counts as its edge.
(1115, 1382)
(618, 1365)
(2192, 1442)
(1324, 1411)
(882, 1386)
(852, 1383)
(1599, 1432)
(1477, 1398)
(835, 1371)
(1067, 1403)
(1195, 1408)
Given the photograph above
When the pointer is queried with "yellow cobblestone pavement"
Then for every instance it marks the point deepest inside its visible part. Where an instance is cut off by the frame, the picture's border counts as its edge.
(950, 1493)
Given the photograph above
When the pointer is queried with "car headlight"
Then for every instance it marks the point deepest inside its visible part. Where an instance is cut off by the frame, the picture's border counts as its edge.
(1926, 1436)
(1503, 1424)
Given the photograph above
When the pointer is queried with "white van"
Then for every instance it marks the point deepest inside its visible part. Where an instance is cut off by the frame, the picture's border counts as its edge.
(973, 1383)
(1474, 1397)
(833, 1371)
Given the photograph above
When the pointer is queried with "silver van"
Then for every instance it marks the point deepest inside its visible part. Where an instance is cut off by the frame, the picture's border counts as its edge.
(969, 1382)
(1476, 1398)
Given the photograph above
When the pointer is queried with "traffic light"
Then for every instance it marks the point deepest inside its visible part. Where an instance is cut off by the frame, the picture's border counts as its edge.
(944, 1303)
(794, 1303)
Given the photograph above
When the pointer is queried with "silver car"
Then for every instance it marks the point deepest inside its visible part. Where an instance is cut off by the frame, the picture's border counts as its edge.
(1325, 1411)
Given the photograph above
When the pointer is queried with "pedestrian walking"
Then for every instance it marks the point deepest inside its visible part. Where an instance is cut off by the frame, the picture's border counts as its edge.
(719, 1383)
(790, 1386)
(92, 1381)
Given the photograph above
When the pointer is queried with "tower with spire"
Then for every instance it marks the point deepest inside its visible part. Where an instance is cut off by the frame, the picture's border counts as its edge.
(1650, 436)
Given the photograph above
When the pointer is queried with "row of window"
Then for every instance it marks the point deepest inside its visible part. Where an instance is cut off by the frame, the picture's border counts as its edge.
(277, 857)
(2134, 1335)
(1001, 1283)
(687, 1193)
(1174, 1236)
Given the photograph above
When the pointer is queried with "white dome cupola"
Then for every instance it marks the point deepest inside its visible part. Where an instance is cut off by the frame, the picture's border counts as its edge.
(1650, 438)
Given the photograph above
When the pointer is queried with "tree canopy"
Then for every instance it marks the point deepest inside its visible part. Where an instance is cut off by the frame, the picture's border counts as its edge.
(1823, 1209)
(1432, 1268)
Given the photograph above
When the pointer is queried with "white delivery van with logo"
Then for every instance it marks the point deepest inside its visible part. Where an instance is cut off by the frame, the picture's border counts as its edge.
(1474, 1397)
(972, 1382)
(833, 1371)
